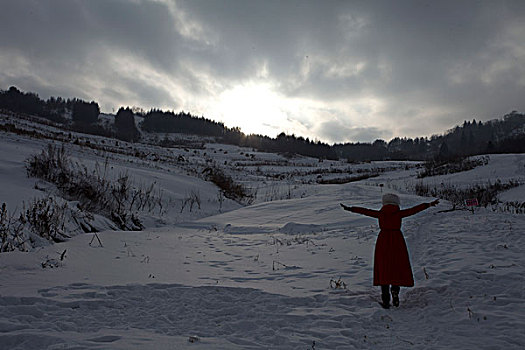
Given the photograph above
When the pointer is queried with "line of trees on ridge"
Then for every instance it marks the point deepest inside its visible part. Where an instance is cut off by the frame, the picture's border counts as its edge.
(505, 135)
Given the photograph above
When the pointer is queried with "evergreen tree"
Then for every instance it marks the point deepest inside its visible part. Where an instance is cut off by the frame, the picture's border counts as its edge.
(85, 113)
(125, 127)
(444, 153)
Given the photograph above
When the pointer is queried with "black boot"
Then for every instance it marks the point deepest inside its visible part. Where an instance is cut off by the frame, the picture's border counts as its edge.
(395, 295)
(385, 296)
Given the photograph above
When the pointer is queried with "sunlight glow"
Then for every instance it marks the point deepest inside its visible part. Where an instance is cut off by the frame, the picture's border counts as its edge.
(255, 108)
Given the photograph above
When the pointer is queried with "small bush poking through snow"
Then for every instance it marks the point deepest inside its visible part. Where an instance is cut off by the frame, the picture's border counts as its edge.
(229, 187)
(41, 220)
(52, 165)
(485, 193)
(11, 232)
(337, 284)
(117, 200)
(190, 200)
(46, 218)
(442, 167)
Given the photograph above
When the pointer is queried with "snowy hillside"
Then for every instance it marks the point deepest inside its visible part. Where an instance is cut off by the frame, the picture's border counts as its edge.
(286, 268)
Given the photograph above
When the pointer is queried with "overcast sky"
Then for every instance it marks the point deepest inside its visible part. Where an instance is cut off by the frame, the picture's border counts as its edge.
(335, 71)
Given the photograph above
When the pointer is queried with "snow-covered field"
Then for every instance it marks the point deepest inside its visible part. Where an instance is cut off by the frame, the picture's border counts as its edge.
(263, 276)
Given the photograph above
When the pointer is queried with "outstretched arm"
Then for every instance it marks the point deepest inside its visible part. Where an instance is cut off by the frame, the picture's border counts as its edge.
(363, 211)
(418, 208)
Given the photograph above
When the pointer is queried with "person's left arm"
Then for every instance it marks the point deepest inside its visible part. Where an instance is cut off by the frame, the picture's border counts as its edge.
(418, 208)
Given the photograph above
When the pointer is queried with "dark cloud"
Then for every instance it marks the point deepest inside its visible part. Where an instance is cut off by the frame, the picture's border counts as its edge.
(385, 68)
(66, 31)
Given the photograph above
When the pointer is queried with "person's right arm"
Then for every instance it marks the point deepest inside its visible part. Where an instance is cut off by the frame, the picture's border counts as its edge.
(362, 211)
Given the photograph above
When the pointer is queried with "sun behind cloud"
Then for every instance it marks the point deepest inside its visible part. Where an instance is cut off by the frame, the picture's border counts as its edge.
(254, 107)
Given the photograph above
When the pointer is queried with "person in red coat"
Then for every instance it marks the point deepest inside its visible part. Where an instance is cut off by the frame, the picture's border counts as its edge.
(391, 261)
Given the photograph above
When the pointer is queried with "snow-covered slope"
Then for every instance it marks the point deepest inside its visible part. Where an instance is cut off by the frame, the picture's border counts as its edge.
(291, 271)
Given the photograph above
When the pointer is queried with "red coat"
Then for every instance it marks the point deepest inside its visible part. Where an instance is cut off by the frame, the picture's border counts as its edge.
(391, 261)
